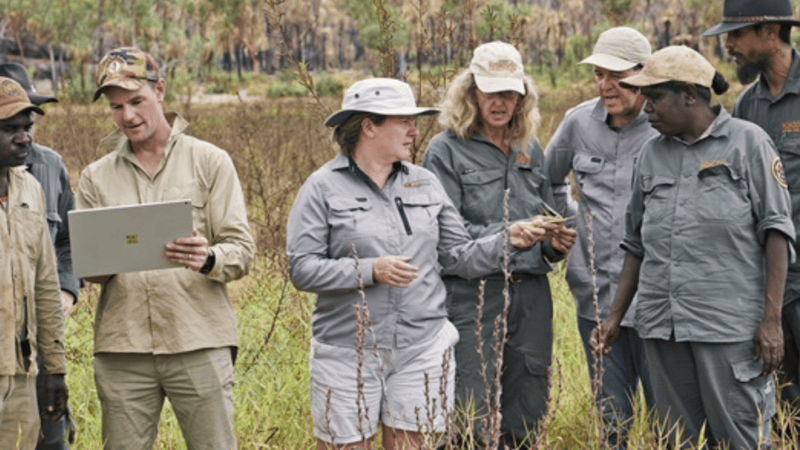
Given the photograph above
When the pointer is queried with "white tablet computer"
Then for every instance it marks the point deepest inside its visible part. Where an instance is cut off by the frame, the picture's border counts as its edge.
(130, 238)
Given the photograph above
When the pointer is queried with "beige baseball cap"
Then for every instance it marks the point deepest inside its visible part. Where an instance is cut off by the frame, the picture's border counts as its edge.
(384, 96)
(497, 66)
(14, 99)
(619, 49)
(674, 63)
(125, 67)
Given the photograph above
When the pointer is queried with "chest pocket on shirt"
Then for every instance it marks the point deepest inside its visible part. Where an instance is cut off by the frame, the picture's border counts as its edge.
(199, 199)
(721, 195)
(789, 149)
(482, 194)
(658, 195)
(531, 179)
(422, 212)
(585, 168)
(349, 218)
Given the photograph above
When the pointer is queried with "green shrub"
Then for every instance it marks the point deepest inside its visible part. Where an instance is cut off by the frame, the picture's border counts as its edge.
(328, 86)
(286, 89)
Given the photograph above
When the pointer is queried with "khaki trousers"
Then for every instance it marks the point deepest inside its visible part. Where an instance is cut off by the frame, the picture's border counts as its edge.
(199, 385)
(19, 413)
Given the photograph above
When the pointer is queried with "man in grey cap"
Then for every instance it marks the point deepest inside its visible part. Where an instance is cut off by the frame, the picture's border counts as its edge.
(600, 141)
(758, 39)
(47, 167)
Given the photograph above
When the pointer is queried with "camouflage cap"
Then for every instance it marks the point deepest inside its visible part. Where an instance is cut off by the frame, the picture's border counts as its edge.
(125, 67)
(14, 99)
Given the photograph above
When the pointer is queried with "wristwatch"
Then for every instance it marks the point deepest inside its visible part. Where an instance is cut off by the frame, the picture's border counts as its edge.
(210, 260)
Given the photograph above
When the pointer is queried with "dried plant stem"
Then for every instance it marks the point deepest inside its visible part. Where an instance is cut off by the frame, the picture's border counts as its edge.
(500, 335)
(363, 325)
(597, 356)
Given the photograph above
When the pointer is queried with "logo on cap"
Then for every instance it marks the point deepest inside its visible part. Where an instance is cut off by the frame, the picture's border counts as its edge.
(12, 89)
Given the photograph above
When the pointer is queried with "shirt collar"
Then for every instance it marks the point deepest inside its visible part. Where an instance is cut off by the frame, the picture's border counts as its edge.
(342, 162)
(791, 86)
(716, 129)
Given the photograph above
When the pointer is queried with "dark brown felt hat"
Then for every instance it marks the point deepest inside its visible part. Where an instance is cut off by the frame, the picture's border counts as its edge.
(743, 13)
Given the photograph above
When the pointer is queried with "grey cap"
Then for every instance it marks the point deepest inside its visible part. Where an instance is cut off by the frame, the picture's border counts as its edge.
(619, 49)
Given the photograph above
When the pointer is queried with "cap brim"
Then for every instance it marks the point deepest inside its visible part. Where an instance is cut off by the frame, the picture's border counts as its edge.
(609, 62)
(129, 84)
(489, 85)
(642, 80)
(13, 110)
(37, 99)
(724, 27)
(340, 116)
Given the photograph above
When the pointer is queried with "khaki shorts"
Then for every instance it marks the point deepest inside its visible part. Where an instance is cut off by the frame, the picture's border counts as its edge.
(394, 388)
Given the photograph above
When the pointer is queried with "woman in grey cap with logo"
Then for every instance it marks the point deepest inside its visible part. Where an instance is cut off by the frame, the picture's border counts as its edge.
(367, 217)
(707, 235)
(490, 112)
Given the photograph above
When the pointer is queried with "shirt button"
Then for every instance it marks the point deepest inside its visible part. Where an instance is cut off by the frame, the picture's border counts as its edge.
(677, 264)
(687, 175)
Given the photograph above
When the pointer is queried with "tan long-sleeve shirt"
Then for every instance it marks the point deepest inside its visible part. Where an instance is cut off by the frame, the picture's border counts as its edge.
(171, 310)
(29, 291)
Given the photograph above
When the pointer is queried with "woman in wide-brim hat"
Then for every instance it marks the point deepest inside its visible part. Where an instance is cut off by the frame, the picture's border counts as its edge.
(706, 240)
(367, 218)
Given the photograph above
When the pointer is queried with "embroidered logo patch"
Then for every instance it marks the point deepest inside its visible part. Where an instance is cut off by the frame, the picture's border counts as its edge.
(525, 160)
(416, 184)
(791, 127)
(778, 172)
(713, 163)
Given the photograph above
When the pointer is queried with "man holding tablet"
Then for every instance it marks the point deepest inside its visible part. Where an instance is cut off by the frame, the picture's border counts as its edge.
(168, 332)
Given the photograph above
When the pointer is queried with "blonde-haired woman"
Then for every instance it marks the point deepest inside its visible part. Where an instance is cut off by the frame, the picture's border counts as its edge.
(490, 112)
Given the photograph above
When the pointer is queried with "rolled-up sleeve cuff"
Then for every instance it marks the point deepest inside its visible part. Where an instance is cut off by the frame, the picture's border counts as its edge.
(779, 223)
(635, 248)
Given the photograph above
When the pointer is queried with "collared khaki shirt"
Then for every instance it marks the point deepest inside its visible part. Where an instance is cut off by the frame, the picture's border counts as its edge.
(698, 217)
(29, 290)
(171, 310)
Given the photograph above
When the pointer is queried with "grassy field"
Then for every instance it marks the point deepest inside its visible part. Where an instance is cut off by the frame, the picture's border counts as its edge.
(275, 144)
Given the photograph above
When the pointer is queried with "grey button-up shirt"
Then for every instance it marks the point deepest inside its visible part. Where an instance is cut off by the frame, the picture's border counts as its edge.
(602, 159)
(698, 218)
(47, 167)
(475, 174)
(339, 205)
(779, 116)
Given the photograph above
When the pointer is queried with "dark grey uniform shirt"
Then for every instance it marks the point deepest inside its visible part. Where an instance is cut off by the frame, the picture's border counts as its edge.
(779, 116)
(698, 218)
(602, 159)
(475, 175)
(339, 205)
(47, 167)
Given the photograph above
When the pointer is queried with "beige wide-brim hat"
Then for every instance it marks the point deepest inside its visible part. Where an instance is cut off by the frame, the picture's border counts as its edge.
(384, 96)
(496, 67)
(14, 99)
(619, 49)
(674, 63)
